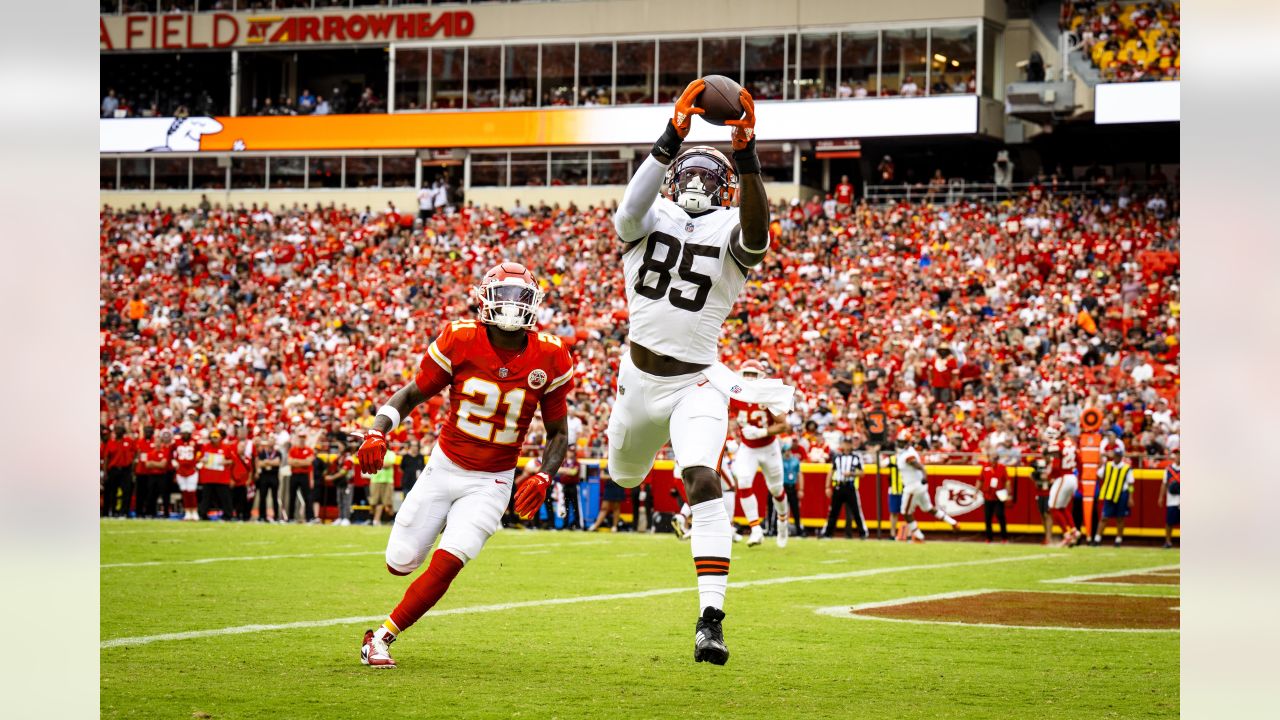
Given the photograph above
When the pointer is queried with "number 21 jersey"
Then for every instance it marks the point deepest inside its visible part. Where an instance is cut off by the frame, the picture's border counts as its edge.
(682, 282)
(492, 401)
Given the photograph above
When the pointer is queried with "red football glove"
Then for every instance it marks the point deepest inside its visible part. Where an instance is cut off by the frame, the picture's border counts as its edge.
(372, 451)
(531, 494)
(685, 108)
(745, 129)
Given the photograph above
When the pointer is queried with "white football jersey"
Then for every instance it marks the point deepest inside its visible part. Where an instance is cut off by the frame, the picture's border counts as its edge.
(682, 282)
(910, 475)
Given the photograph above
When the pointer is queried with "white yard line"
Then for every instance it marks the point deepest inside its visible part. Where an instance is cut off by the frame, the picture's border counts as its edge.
(242, 629)
(850, 612)
(243, 558)
(1115, 573)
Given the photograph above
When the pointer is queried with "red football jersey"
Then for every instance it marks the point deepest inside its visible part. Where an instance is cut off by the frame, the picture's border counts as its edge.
(186, 456)
(491, 402)
(1063, 459)
(752, 414)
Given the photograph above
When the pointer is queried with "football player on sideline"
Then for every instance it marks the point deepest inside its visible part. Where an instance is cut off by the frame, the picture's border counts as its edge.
(1061, 452)
(685, 257)
(759, 450)
(497, 371)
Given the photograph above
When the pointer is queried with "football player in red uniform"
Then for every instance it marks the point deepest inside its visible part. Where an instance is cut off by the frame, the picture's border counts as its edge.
(1061, 453)
(187, 455)
(759, 449)
(498, 370)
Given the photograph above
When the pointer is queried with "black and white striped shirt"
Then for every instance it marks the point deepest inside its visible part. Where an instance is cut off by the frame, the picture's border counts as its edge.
(846, 467)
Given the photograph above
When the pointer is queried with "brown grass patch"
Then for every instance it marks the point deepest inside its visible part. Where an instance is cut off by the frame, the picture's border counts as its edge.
(1031, 609)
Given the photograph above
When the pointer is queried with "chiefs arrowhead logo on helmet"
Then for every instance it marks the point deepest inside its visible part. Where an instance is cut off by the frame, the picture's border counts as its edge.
(699, 179)
(509, 297)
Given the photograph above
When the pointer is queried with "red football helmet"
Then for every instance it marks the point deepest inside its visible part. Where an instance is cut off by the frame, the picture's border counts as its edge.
(509, 297)
(751, 369)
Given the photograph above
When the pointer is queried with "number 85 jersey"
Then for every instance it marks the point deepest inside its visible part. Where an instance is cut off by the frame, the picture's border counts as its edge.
(492, 401)
(682, 282)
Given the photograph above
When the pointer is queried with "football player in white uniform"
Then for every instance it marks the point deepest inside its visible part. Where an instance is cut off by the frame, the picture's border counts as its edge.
(915, 489)
(760, 450)
(686, 256)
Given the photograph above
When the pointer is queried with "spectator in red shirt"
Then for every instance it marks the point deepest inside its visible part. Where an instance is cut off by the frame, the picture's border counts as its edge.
(241, 452)
(215, 475)
(993, 482)
(117, 463)
(844, 194)
(301, 464)
(942, 376)
(149, 472)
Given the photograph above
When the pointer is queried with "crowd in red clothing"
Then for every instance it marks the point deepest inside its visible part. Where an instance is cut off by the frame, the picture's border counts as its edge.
(959, 320)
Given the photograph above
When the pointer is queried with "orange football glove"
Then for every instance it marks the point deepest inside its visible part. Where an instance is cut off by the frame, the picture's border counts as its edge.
(744, 130)
(372, 451)
(531, 494)
(685, 108)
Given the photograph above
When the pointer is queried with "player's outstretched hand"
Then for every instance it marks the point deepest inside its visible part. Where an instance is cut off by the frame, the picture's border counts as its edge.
(531, 494)
(686, 109)
(744, 130)
(372, 450)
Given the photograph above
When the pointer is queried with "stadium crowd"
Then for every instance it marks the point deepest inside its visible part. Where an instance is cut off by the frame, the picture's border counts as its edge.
(1128, 42)
(961, 321)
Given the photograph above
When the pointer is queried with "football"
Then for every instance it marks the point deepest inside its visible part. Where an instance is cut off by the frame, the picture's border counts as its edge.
(720, 100)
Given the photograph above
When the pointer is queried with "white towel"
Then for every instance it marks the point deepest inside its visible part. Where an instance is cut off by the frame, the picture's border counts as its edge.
(776, 396)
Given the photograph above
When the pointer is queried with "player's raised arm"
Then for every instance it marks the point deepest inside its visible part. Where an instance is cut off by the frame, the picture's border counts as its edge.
(635, 217)
(750, 239)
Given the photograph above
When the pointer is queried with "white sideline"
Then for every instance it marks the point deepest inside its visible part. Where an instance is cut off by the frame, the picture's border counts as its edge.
(849, 612)
(205, 561)
(1113, 573)
(242, 629)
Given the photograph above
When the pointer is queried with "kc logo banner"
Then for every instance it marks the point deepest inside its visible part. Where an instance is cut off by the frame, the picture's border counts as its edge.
(956, 498)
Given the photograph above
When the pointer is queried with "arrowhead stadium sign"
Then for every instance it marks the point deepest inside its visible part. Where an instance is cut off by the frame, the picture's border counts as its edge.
(189, 31)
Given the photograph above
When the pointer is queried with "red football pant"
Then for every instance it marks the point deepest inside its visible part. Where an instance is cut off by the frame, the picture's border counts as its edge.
(426, 589)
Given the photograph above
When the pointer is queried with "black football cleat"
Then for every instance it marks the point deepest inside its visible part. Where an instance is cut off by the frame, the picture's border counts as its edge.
(708, 639)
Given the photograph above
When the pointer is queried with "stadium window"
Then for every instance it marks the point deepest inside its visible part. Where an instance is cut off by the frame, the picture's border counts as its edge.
(954, 60)
(398, 170)
(607, 169)
(677, 67)
(528, 169)
(173, 173)
(765, 59)
(776, 164)
(411, 79)
(520, 76)
(361, 172)
(859, 52)
(558, 86)
(135, 173)
(287, 172)
(248, 173)
(110, 173)
(484, 76)
(722, 56)
(903, 62)
(635, 72)
(569, 168)
(489, 169)
(326, 172)
(595, 73)
(207, 174)
(817, 66)
(446, 78)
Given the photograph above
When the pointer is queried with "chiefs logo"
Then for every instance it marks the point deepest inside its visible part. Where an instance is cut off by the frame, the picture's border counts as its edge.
(537, 379)
(956, 498)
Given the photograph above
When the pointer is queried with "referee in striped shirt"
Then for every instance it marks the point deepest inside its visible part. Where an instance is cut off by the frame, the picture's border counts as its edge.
(842, 488)
(1115, 492)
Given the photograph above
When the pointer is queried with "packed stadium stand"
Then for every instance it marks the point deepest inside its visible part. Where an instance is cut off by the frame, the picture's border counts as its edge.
(305, 318)
(1128, 42)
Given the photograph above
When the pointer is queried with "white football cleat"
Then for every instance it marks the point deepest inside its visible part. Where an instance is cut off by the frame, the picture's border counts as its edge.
(757, 536)
(783, 531)
(376, 650)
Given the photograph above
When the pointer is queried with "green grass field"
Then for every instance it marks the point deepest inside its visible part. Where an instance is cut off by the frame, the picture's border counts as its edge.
(603, 657)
